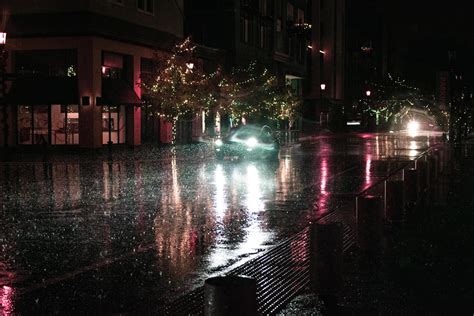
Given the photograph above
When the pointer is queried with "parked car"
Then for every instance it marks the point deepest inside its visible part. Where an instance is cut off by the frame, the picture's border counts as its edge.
(248, 142)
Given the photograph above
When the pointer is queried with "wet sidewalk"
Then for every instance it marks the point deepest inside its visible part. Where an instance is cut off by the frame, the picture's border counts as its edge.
(427, 265)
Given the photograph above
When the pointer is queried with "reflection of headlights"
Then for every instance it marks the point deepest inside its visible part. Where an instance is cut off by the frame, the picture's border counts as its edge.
(218, 142)
(251, 142)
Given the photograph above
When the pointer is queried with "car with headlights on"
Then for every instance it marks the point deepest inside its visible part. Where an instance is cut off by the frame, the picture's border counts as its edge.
(248, 142)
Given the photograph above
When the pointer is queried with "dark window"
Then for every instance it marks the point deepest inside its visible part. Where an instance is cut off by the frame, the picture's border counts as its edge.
(262, 5)
(145, 6)
(55, 63)
(244, 3)
(112, 65)
(111, 72)
(290, 12)
(119, 2)
(146, 66)
(279, 10)
(300, 16)
(244, 30)
(262, 36)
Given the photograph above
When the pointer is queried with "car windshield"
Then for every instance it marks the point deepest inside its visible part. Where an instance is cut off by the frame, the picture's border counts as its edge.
(242, 133)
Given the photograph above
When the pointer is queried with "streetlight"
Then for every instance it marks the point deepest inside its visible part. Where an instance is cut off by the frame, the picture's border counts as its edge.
(322, 86)
(368, 93)
(3, 84)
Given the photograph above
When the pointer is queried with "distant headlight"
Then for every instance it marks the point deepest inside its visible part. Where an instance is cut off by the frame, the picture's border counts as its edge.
(413, 126)
(251, 142)
(218, 142)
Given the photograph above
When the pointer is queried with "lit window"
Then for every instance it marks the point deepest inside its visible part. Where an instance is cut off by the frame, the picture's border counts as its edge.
(145, 6)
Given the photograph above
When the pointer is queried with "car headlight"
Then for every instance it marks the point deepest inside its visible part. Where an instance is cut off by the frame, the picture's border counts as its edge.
(251, 142)
(218, 142)
(413, 126)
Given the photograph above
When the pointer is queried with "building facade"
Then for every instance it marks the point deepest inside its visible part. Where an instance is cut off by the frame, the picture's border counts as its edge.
(326, 92)
(274, 33)
(75, 68)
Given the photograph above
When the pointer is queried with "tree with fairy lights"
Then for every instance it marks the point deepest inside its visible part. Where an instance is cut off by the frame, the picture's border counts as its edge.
(177, 86)
(256, 95)
(390, 96)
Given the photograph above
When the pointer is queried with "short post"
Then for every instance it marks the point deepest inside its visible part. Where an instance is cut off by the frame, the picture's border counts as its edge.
(369, 220)
(394, 200)
(444, 158)
(421, 167)
(326, 258)
(410, 177)
(433, 163)
(230, 295)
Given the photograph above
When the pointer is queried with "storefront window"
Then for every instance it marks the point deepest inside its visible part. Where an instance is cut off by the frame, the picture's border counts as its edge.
(34, 124)
(40, 126)
(64, 124)
(25, 115)
(113, 124)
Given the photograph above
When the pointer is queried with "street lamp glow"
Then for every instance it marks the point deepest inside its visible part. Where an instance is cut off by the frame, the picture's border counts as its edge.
(323, 86)
(367, 93)
(3, 38)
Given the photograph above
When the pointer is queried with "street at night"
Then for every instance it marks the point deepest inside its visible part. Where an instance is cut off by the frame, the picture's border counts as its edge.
(236, 157)
(88, 235)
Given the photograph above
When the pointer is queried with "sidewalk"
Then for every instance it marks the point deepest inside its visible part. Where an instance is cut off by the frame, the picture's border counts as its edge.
(427, 267)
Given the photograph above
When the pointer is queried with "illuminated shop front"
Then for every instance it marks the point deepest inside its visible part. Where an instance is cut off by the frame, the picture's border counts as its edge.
(51, 104)
(51, 124)
(45, 110)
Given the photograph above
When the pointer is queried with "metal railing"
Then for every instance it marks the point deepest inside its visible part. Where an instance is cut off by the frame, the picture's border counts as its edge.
(287, 137)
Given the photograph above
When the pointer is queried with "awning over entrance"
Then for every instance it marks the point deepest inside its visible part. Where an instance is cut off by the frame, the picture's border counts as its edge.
(44, 90)
(118, 92)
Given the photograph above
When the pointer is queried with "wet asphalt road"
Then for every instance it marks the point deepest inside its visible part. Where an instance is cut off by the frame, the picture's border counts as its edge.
(88, 236)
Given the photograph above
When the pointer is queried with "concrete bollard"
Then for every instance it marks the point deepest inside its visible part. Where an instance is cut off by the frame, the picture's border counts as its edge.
(369, 220)
(326, 258)
(422, 168)
(434, 165)
(230, 295)
(410, 177)
(439, 155)
(394, 200)
(444, 157)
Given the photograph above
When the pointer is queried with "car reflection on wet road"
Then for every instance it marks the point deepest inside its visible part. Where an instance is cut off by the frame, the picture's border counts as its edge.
(130, 235)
